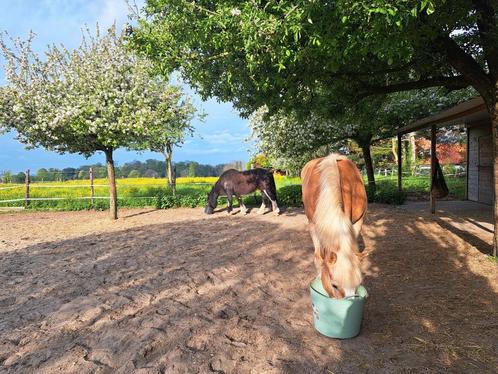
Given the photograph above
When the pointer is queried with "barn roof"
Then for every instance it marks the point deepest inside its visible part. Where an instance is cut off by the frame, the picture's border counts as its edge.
(464, 113)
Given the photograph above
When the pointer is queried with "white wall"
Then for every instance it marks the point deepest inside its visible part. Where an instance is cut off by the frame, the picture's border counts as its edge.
(480, 183)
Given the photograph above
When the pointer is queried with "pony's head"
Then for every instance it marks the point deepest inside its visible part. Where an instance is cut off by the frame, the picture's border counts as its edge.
(212, 199)
(341, 274)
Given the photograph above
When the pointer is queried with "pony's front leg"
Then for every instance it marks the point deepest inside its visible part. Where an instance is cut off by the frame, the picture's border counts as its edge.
(261, 209)
(273, 200)
(243, 208)
(229, 204)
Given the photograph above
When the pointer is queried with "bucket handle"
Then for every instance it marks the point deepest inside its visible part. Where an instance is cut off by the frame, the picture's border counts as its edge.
(356, 296)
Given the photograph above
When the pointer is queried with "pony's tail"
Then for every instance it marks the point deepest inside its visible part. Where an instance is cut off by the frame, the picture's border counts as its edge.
(335, 231)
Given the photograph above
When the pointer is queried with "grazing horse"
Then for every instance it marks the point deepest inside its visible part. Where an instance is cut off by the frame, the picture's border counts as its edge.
(236, 183)
(335, 202)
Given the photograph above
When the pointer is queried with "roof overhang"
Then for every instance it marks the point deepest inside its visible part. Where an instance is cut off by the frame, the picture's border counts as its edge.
(471, 111)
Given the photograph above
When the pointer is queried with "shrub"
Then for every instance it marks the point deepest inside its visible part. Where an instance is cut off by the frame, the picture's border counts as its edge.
(290, 195)
(192, 200)
(385, 194)
(252, 199)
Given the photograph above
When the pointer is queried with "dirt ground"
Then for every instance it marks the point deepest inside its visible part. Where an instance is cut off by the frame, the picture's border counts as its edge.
(176, 291)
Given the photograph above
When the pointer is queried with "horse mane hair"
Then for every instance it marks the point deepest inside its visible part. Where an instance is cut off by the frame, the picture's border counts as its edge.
(335, 230)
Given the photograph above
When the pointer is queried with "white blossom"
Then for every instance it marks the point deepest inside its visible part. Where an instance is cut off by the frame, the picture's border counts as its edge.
(96, 97)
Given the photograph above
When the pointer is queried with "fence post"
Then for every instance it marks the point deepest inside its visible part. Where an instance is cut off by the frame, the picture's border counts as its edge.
(26, 195)
(433, 166)
(400, 163)
(92, 190)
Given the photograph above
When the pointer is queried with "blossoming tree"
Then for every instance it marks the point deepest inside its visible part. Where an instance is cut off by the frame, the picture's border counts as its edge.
(97, 97)
(174, 113)
(295, 139)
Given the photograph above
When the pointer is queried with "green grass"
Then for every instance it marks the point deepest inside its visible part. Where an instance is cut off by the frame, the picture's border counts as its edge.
(418, 186)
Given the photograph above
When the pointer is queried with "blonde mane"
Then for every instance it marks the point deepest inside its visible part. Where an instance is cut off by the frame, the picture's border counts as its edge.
(338, 260)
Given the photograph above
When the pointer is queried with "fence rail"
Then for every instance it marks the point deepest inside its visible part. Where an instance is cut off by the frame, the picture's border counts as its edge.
(37, 185)
(86, 191)
(74, 198)
(418, 173)
(28, 187)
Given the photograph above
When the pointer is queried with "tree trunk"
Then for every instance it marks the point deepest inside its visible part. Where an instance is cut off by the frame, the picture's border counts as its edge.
(365, 148)
(113, 201)
(493, 113)
(407, 157)
(413, 153)
(168, 154)
(394, 149)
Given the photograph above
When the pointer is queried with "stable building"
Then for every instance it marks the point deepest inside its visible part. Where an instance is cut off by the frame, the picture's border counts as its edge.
(474, 116)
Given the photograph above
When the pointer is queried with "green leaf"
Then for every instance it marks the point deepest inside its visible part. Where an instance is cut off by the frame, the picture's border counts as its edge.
(430, 8)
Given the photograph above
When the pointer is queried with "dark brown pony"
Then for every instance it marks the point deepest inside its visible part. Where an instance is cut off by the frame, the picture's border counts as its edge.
(335, 202)
(236, 183)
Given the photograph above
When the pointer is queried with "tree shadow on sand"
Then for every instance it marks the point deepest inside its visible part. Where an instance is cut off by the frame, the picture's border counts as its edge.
(229, 294)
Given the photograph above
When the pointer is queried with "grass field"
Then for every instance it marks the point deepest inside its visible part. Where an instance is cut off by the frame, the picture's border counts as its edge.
(191, 192)
(418, 186)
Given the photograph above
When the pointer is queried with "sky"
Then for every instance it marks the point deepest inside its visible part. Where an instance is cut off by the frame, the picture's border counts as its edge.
(220, 138)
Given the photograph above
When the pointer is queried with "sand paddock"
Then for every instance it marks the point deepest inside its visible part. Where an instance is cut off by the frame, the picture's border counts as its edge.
(179, 292)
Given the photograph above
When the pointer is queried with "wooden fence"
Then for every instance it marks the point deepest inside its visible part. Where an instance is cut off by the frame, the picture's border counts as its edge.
(91, 190)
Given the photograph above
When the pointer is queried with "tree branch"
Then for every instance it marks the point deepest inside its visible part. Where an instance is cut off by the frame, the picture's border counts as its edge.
(466, 65)
(488, 33)
(355, 74)
(452, 83)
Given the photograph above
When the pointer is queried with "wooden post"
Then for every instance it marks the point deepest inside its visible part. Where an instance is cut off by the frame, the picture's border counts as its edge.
(433, 166)
(92, 189)
(26, 195)
(400, 165)
(467, 165)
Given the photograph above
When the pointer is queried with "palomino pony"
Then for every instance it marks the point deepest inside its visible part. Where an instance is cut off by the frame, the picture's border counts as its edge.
(335, 202)
(236, 183)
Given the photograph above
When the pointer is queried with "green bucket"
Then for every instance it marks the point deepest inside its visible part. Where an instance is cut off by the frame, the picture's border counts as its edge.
(337, 318)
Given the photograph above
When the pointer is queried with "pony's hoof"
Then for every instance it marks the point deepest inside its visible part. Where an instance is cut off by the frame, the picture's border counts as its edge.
(260, 212)
(276, 212)
(244, 212)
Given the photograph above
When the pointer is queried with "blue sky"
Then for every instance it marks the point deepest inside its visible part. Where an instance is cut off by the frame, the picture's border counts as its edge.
(219, 139)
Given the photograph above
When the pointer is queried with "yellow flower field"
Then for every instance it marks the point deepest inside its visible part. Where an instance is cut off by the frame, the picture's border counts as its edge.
(131, 191)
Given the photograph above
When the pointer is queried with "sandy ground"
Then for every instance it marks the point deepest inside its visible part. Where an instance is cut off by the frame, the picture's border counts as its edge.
(179, 292)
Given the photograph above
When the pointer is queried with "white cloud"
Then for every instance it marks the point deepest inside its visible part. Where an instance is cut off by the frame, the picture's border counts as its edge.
(223, 138)
(112, 11)
(206, 151)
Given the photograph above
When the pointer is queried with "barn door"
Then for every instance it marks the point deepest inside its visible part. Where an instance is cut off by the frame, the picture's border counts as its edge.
(485, 168)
